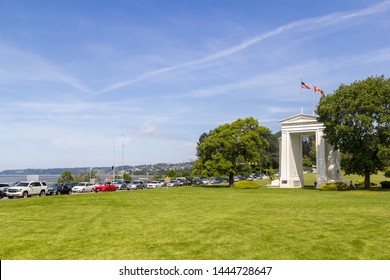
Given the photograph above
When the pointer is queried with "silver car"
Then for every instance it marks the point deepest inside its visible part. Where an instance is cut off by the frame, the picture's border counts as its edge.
(173, 183)
(136, 185)
(120, 184)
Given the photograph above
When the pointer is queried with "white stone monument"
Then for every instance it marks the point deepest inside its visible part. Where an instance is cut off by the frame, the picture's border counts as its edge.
(290, 153)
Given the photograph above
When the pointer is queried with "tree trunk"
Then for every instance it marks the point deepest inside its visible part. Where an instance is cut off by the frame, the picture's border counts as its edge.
(367, 180)
(231, 179)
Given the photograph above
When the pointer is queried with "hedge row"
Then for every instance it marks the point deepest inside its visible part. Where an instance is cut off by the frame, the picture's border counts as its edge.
(246, 185)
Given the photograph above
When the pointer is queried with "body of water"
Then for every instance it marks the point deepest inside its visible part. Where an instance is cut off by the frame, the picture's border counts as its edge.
(10, 179)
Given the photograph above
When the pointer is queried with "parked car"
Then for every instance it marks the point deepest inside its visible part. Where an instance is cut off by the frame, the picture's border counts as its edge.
(198, 182)
(57, 189)
(173, 183)
(152, 185)
(121, 184)
(106, 187)
(205, 181)
(83, 187)
(161, 183)
(136, 185)
(70, 185)
(3, 189)
(190, 181)
(27, 188)
(181, 181)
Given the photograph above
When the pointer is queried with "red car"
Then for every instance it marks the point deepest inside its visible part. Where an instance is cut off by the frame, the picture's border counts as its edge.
(107, 187)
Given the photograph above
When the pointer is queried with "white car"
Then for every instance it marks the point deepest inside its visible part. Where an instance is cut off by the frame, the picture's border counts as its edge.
(152, 185)
(160, 183)
(83, 187)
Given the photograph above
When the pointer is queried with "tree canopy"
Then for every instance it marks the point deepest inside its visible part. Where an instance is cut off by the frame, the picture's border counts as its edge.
(67, 177)
(230, 147)
(356, 119)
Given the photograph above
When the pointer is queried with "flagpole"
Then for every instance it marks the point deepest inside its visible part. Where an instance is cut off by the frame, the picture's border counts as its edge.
(313, 102)
(301, 99)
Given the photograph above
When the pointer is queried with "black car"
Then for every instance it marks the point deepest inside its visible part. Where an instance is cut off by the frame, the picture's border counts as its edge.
(3, 189)
(57, 189)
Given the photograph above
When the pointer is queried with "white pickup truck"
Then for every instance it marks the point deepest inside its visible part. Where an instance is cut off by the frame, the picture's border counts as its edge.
(27, 188)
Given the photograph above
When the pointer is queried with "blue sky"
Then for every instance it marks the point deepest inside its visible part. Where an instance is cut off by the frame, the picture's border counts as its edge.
(81, 79)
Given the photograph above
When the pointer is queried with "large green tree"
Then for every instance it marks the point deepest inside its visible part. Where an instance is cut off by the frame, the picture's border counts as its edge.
(356, 119)
(225, 149)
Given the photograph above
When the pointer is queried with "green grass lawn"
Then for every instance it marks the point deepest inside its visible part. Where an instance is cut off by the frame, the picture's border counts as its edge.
(198, 223)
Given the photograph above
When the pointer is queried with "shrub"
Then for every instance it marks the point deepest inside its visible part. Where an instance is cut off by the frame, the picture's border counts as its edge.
(342, 186)
(328, 187)
(339, 186)
(246, 185)
(385, 184)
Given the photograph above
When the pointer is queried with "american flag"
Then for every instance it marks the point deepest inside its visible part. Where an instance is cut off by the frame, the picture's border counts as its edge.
(305, 86)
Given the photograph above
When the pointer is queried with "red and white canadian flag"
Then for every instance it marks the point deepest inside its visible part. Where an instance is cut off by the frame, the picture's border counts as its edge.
(317, 89)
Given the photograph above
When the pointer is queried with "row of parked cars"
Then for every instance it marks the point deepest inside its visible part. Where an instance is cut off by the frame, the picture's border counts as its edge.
(153, 184)
(82, 187)
(31, 188)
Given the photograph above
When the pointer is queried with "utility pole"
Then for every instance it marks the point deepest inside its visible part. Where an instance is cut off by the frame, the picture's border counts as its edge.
(113, 167)
(123, 136)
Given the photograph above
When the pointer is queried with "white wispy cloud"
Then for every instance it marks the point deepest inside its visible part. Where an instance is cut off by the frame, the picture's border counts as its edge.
(288, 75)
(304, 25)
(17, 65)
(371, 57)
(148, 130)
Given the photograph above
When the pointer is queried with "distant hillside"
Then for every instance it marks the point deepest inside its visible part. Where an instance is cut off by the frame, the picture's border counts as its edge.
(146, 169)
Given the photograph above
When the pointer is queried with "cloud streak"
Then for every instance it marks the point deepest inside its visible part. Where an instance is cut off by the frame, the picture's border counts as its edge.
(273, 79)
(309, 24)
(17, 65)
